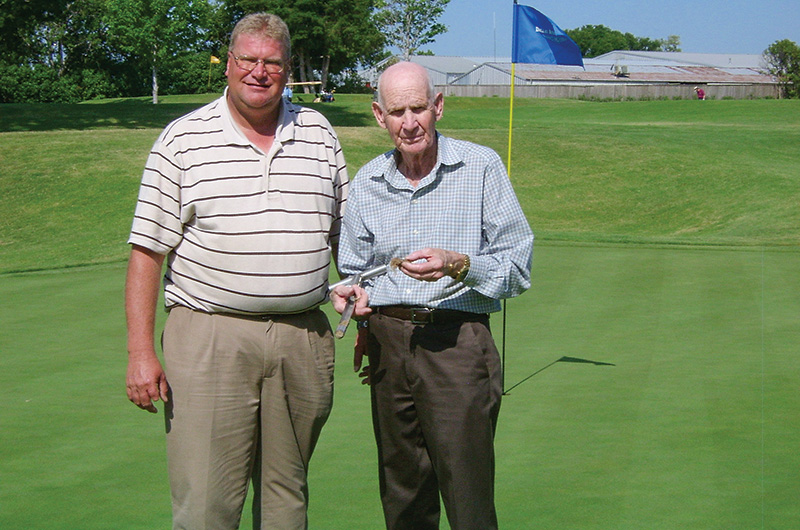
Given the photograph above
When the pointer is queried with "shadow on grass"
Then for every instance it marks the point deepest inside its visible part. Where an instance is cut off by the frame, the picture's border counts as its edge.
(564, 359)
(133, 113)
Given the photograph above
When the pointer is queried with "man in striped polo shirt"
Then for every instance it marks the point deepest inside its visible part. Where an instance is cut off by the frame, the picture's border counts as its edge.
(446, 208)
(244, 199)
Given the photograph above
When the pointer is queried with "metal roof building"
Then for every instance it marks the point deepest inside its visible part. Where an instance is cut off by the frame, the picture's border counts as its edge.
(615, 75)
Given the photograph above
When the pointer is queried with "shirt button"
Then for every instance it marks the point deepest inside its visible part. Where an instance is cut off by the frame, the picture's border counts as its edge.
(416, 232)
(408, 291)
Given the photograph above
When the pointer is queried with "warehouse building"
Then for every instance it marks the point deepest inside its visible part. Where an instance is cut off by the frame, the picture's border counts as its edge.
(615, 75)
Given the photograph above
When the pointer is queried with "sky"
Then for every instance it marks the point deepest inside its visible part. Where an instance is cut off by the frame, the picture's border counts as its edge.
(483, 27)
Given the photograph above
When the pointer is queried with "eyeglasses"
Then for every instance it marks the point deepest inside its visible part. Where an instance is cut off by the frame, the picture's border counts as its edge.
(245, 62)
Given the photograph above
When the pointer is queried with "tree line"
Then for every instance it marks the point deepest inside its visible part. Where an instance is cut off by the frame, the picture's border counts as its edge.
(77, 50)
(598, 40)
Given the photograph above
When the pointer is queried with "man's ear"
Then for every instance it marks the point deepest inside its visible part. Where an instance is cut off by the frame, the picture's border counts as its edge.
(378, 113)
(438, 106)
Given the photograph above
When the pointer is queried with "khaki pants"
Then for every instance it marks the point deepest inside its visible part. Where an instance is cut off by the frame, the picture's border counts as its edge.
(436, 391)
(248, 399)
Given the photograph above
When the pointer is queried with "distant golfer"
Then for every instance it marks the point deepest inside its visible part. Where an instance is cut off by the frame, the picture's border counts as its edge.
(447, 207)
(244, 199)
(701, 94)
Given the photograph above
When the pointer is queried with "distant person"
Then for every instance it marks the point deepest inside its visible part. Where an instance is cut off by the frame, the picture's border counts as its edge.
(701, 94)
(243, 197)
(287, 93)
(325, 97)
(447, 209)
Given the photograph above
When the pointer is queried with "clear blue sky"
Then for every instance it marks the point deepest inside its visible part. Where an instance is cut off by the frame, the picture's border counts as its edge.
(483, 27)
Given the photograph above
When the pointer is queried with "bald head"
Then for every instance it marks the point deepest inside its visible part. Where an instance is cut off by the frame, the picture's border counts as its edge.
(408, 109)
(408, 74)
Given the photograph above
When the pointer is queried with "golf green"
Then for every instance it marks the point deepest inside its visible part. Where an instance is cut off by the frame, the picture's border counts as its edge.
(648, 388)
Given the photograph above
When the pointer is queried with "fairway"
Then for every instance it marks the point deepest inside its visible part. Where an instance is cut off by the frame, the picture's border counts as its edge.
(651, 369)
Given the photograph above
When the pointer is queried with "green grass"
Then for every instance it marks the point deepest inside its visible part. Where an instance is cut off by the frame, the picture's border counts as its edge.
(668, 246)
(692, 425)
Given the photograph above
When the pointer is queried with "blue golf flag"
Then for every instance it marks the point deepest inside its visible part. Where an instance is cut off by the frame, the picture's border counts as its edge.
(536, 39)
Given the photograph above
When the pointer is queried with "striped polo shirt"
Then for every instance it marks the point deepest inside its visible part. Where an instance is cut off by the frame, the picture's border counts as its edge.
(245, 231)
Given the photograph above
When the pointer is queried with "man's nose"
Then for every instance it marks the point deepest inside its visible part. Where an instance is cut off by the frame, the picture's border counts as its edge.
(260, 71)
(409, 119)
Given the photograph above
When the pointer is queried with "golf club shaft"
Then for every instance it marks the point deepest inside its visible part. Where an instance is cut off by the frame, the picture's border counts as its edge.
(341, 329)
(358, 278)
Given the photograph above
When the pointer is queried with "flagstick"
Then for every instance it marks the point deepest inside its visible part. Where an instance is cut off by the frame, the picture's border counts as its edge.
(511, 116)
(508, 168)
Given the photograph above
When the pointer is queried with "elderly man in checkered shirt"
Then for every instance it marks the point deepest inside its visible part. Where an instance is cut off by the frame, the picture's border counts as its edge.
(444, 213)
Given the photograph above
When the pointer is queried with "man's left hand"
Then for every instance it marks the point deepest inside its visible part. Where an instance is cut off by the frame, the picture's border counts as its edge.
(341, 294)
(431, 264)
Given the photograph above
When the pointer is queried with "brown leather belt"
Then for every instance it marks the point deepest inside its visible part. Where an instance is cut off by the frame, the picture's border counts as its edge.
(426, 315)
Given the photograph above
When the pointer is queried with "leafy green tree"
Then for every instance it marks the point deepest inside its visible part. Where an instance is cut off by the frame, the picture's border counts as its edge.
(148, 33)
(597, 40)
(61, 44)
(672, 44)
(19, 21)
(351, 36)
(783, 61)
(410, 24)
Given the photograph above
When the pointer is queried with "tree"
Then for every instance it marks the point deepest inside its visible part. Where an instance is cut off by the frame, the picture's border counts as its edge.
(783, 61)
(672, 44)
(18, 24)
(61, 44)
(410, 24)
(351, 36)
(148, 33)
(597, 40)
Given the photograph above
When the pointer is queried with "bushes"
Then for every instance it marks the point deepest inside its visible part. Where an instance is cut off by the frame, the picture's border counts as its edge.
(25, 84)
(20, 84)
(39, 83)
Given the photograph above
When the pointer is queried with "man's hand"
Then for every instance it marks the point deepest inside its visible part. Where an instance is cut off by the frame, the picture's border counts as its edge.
(431, 264)
(342, 293)
(359, 352)
(146, 381)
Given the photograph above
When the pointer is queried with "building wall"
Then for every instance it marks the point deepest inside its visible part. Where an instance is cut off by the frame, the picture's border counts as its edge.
(613, 91)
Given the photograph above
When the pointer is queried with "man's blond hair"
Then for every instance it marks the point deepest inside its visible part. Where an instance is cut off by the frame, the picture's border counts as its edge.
(265, 25)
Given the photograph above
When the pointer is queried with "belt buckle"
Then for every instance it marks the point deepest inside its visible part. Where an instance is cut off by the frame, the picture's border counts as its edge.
(422, 311)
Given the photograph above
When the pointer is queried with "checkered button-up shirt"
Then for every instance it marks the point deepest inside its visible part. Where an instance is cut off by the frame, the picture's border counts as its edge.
(466, 204)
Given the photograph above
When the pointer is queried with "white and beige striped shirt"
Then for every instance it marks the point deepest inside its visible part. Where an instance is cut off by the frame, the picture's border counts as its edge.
(245, 231)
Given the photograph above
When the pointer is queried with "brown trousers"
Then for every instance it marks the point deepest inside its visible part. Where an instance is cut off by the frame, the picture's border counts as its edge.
(248, 400)
(436, 391)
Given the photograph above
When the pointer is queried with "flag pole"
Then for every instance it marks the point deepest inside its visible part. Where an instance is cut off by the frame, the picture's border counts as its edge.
(535, 40)
(511, 116)
(508, 169)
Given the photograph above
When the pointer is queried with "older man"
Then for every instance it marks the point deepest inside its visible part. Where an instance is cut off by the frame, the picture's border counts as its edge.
(244, 198)
(446, 208)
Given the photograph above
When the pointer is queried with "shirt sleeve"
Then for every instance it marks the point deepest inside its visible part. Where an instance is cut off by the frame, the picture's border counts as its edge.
(356, 246)
(502, 267)
(157, 223)
(341, 187)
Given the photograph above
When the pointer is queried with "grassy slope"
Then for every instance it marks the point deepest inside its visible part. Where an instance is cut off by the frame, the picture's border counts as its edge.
(665, 172)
